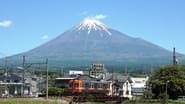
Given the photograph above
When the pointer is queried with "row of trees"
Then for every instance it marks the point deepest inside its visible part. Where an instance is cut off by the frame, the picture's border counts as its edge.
(167, 81)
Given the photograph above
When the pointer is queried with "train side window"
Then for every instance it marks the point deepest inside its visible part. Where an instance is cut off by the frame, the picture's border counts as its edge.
(100, 85)
(108, 85)
(92, 85)
(95, 85)
(86, 85)
(104, 85)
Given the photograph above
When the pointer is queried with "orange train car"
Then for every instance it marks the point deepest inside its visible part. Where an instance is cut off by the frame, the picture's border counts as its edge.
(78, 86)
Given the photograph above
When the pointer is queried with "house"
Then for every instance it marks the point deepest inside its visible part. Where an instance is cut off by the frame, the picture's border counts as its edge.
(120, 86)
(35, 84)
(12, 84)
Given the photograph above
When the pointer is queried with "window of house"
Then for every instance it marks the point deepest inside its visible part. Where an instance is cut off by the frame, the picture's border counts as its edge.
(127, 92)
(34, 79)
(121, 93)
(16, 81)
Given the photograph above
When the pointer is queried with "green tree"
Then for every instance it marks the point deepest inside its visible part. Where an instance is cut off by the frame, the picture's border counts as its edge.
(170, 79)
(55, 91)
(148, 91)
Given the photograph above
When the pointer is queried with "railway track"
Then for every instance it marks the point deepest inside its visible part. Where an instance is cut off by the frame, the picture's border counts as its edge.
(98, 98)
(67, 98)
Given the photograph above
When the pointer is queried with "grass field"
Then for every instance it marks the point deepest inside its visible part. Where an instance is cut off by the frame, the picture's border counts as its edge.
(153, 101)
(30, 101)
(56, 101)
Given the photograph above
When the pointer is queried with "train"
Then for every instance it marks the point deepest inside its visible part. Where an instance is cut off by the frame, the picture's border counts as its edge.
(78, 86)
(92, 90)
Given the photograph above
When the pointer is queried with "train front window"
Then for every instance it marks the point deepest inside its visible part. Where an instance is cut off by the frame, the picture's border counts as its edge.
(70, 85)
(81, 85)
(76, 85)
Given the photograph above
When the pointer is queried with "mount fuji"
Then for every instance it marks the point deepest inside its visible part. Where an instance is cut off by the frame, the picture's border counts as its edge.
(91, 41)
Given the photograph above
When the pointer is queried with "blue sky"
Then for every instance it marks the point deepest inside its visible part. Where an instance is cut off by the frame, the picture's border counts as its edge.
(26, 24)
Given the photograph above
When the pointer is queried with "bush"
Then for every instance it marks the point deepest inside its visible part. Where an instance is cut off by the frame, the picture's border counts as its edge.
(55, 91)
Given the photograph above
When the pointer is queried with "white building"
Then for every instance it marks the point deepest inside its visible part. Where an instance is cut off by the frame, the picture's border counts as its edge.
(74, 72)
(97, 71)
(126, 86)
(138, 86)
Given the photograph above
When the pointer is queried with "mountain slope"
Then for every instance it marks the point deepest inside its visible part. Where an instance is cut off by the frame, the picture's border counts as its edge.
(92, 41)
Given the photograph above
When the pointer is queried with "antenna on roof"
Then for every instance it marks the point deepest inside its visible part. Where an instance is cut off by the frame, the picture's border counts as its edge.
(112, 74)
(151, 69)
(126, 73)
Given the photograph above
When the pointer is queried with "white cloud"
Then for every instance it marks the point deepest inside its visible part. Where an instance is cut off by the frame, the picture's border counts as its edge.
(99, 16)
(44, 37)
(5, 23)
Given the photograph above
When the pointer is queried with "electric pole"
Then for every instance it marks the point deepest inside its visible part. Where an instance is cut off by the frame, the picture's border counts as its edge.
(151, 70)
(23, 72)
(25, 66)
(47, 78)
(126, 73)
(6, 73)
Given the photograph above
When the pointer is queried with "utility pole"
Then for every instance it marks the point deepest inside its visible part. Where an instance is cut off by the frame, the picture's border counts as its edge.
(47, 78)
(112, 82)
(61, 72)
(151, 69)
(126, 73)
(166, 92)
(26, 66)
(6, 69)
(6, 64)
(23, 74)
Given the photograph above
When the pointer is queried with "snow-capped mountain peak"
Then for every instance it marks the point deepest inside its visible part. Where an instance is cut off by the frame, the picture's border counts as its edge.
(92, 24)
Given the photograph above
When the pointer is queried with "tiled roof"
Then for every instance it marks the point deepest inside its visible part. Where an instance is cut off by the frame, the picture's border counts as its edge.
(118, 78)
(10, 77)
